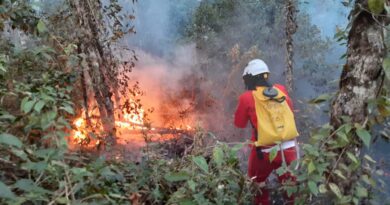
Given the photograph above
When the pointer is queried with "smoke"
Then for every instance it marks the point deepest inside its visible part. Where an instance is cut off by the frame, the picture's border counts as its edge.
(162, 80)
(327, 15)
(168, 68)
(182, 79)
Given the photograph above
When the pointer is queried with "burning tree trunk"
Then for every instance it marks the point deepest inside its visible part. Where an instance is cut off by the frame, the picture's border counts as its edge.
(291, 28)
(98, 62)
(361, 77)
(85, 96)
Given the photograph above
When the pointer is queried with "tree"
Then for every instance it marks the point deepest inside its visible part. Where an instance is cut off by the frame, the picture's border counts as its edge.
(363, 73)
(291, 28)
(99, 25)
(361, 80)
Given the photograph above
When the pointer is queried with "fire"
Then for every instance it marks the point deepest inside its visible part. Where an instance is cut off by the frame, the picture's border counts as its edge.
(135, 118)
(79, 136)
(79, 122)
(129, 128)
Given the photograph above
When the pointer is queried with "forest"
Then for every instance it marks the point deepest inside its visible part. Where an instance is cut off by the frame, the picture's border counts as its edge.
(136, 101)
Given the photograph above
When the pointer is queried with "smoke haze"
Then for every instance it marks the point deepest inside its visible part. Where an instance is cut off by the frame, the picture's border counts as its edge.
(168, 67)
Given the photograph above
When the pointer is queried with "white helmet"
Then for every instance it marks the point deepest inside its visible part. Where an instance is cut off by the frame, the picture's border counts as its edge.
(256, 67)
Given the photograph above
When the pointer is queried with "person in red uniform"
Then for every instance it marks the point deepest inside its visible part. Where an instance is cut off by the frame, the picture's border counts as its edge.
(256, 74)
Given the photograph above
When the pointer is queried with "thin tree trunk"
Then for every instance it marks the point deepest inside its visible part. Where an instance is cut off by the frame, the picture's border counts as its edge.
(291, 28)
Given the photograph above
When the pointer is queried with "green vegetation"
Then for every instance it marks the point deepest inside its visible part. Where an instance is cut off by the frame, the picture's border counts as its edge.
(44, 56)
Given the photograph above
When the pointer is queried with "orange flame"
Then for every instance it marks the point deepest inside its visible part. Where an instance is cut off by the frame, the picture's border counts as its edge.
(133, 121)
(130, 121)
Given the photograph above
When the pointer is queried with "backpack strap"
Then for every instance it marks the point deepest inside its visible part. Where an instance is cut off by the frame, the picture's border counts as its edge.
(259, 152)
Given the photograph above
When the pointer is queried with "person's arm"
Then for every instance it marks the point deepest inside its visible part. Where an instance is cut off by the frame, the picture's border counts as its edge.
(241, 116)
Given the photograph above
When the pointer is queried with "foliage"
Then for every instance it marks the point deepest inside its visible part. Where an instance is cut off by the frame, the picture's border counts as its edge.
(197, 179)
(322, 161)
(52, 176)
(38, 75)
(333, 159)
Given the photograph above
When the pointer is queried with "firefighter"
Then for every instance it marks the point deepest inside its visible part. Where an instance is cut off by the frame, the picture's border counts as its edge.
(256, 75)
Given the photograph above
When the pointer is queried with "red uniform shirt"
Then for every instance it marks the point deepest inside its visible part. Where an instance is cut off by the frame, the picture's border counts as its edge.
(246, 109)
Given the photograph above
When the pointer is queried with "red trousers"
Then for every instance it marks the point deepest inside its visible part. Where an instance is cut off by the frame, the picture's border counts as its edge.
(261, 169)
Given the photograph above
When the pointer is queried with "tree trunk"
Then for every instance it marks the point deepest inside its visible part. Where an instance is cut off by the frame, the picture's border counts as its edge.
(291, 28)
(360, 81)
(362, 74)
(89, 18)
(85, 97)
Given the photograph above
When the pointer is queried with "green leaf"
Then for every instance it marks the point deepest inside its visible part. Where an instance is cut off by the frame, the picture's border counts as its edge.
(366, 179)
(37, 166)
(68, 109)
(322, 189)
(192, 185)
(24, 101)
(340, 174)
(345, 200)
(107, 173)
(28, 185)
(5, 191)
(176, 177)
(273, 153)
(367, 157)
(201, 162)
(364, 135)
(361, 192)
(313, 187)
(347, 128)
(47, 119)
(376, 6)
(11, 140)
(218, 156)
(320, 99)
(343, 136)
(41, 27)
(311, 167)
(2, 68)
(352, 157)
(27, 107)
(386, 66)
(38, 107)
(62, 200)
(355, 201)
(7, 117)
(335, 189)
(281, 171)
(236, 148)
(20, 153)
(291, 190)
(200, 198)
(157, 193)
